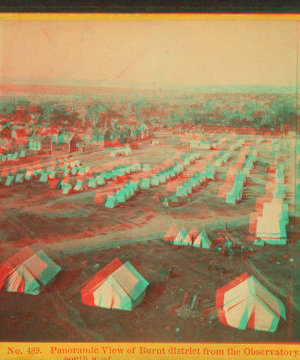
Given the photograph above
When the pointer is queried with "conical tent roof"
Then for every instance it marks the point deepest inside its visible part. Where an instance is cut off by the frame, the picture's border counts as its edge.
(171, 233)
(246, 303)
(191, 236)
(202, 241)
(180, 236)
(27, 271)
(116, 286)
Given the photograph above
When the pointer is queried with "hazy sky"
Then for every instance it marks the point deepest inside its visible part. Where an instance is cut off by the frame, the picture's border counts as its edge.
(165, 52)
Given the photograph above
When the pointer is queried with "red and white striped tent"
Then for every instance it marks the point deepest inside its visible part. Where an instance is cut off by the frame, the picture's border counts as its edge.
(117, 286)
(27, 272)
(172, 233)
(246, 303)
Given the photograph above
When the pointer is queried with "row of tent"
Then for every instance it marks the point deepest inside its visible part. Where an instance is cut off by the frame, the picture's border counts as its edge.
(121, 151)
(183, 238)
(12, 157)
(190, 185)
(242, 303)
(268, 222)
(122, 195)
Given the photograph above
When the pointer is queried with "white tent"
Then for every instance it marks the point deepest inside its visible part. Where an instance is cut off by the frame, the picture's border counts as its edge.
(246, 303)
(20, 178)
(27, 272)
(180, 236)
(44, 177)
(29, 174)
(9, 180)
(111, 202)
(271, 225)
(92, 183)
(100, 180)
(116, 286)
(171, 233)
(66, 189)
(202, 241)
(121, 196)
(191, 236)
(79, 186)
(52, 174)
(145, 184)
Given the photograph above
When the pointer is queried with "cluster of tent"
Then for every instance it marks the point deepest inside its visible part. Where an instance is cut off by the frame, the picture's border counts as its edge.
(190, 185)
(183, 238)
(160, 174)
(242, 157)
(88, 177)
(236, 192)
(228, 183)
(121, 151)
(116, 286)
(224, 157)
(44, 174)
(123, 194)
(12, 157)
(155, 142)
(242, 303)
(190, 158)
(268, 222)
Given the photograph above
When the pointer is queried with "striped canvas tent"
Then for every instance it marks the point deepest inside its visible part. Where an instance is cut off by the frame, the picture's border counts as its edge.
(202, 241)
(171, 233)
(246, 303)
(27, 272)
(180, 236)
(117, 286)
(191, 236)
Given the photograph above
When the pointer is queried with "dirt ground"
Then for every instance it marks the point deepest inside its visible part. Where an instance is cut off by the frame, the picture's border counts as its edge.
(82, 236)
